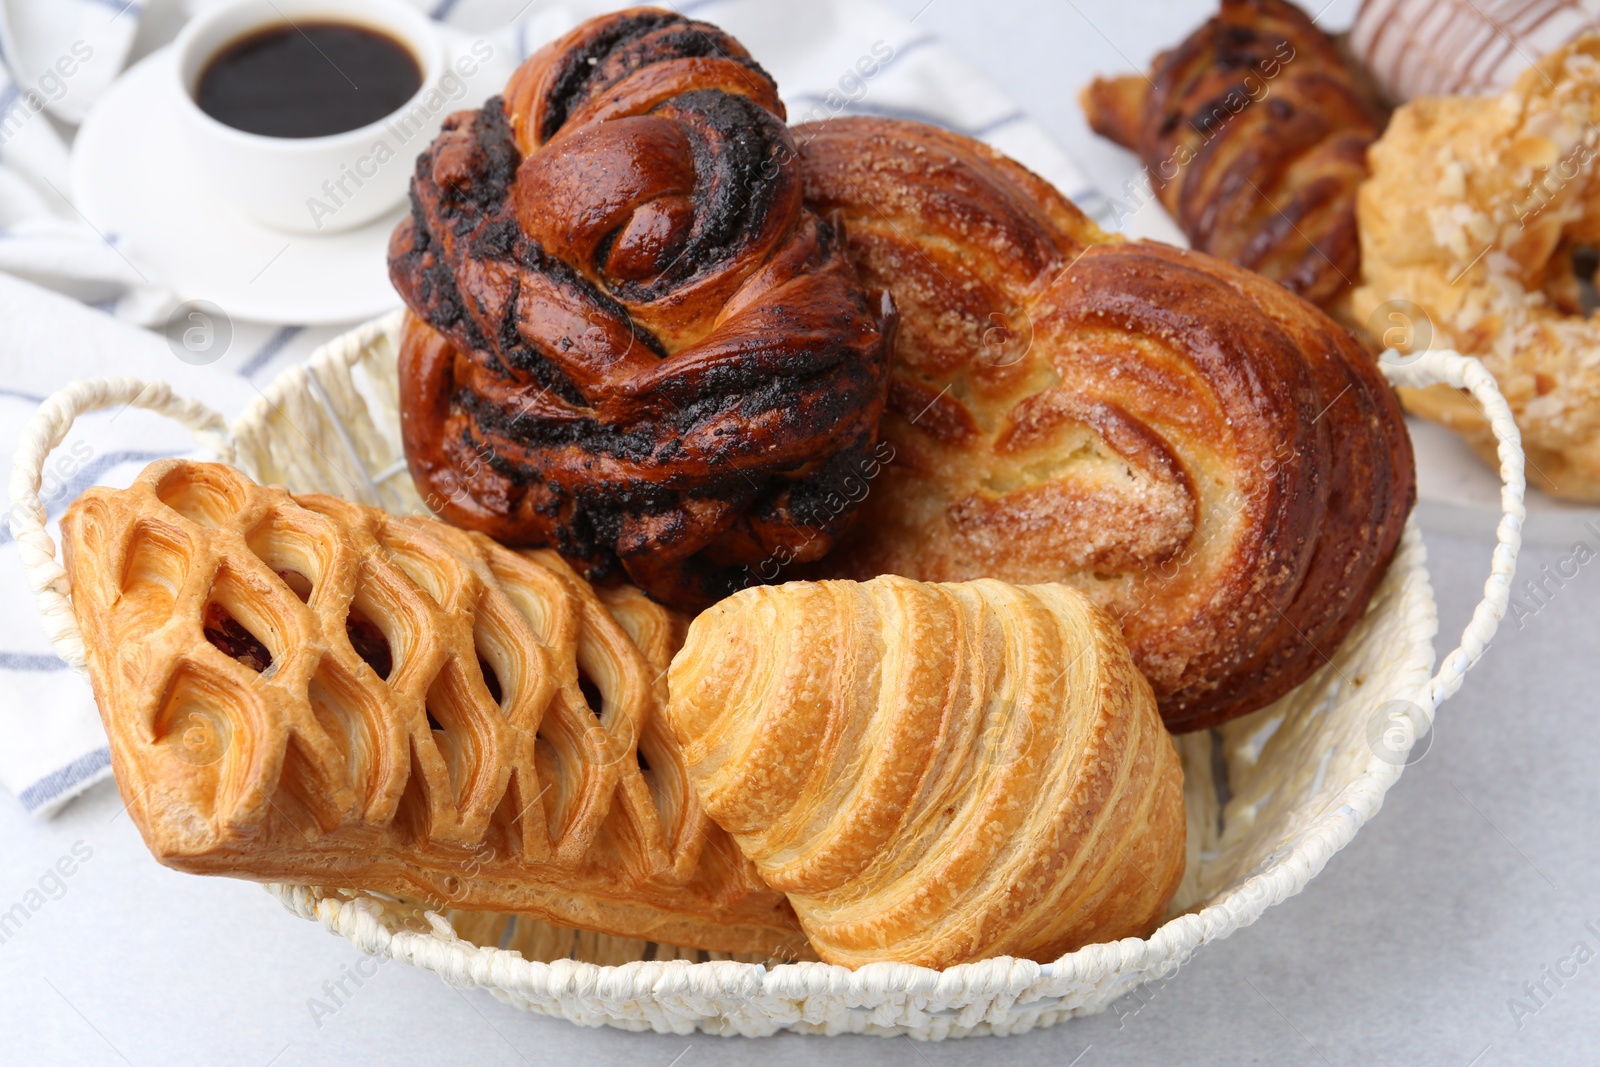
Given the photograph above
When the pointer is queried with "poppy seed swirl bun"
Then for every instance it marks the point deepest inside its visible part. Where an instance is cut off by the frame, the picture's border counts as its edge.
(630, 340)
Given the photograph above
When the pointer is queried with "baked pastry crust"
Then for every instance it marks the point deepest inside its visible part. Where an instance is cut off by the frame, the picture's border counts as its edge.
(511, 757)
(1207, 456)
(1419, 48)
(1254, 130)
(934, 773)
(1468, 227)
(632, 341)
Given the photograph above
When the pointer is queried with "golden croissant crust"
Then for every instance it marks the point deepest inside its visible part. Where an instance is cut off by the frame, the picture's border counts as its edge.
(631, 339)
(934, 773)
(1254, 130)
(306, 690)
(1206, 455)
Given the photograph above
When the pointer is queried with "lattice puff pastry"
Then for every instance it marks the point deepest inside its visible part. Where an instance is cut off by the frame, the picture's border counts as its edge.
(934, 773)
(306, 690)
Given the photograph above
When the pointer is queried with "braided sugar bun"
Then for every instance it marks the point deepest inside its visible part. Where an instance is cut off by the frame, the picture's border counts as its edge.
(1255, 132)
(1206, 455)
(630, 340)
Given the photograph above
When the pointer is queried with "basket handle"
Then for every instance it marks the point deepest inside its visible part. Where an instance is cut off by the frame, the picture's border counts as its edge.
(49, 425)
(44, 432)
(1446, 367)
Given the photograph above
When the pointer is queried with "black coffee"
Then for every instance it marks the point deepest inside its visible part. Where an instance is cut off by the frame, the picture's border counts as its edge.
(308, 80)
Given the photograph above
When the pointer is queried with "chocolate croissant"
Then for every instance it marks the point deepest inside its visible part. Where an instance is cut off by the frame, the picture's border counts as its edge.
(1254, 131)
(305, 690)
(934, 773)
(631, 339)
(1206, 455)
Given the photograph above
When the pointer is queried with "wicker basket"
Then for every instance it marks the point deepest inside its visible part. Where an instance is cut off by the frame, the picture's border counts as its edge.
(1270, 797)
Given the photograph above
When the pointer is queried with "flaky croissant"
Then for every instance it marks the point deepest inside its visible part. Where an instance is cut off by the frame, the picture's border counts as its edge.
(1206, 455)
(1254, 132)
(631, 340)
(934, 773)
(305, 690)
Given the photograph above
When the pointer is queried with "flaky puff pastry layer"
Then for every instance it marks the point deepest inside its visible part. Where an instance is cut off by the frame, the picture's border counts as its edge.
(934, 773)
(301, 689)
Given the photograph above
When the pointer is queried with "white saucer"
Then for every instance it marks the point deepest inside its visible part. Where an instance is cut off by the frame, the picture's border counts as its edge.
(135, 181)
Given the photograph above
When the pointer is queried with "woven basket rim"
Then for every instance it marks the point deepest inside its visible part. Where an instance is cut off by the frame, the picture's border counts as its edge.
(360, 919)
(1174, 940)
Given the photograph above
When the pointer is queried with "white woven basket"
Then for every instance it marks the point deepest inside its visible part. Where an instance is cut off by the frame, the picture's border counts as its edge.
(1270, 797)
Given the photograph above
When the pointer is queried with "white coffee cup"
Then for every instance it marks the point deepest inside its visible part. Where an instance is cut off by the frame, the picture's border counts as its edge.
(314, 184)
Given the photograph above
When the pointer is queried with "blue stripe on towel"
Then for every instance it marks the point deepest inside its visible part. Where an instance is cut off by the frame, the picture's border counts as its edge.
(273, 346)
(31, 661)
(1004, 120)
(83, 479)
(121, 7)
(9, 97)
(903, 50)
(80, 772)
(860, 107)
(886, 111)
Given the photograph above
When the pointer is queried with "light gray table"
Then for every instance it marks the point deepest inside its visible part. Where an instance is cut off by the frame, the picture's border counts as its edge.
(1477, 877)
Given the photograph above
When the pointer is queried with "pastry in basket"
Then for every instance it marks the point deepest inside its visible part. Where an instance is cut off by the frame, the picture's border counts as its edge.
(934, 774)
(631, 339)
(1206, 455)
(1254, 131)
(1469, 226)
(1436, 47)
(304, 690)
